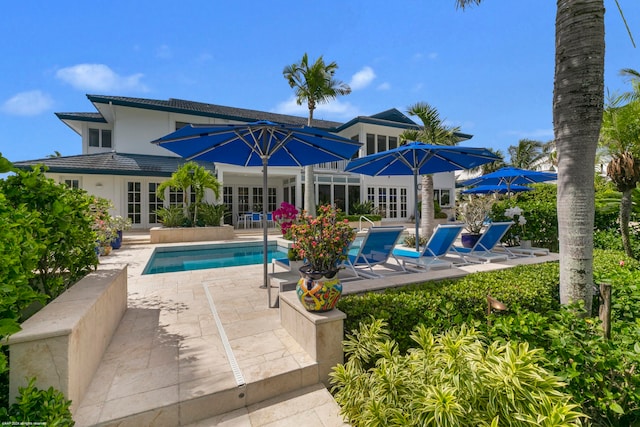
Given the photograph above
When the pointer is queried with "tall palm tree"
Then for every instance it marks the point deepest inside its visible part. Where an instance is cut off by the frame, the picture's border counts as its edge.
(434, 132)
(313, 84)
(489, 167)
(620, 137)
(527, 154)
(578, 99)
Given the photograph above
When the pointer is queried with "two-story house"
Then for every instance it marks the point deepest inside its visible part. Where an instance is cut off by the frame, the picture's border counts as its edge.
(118, 161)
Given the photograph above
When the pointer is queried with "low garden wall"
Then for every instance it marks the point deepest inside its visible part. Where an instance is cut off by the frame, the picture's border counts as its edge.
(62, 344)
(191, 234)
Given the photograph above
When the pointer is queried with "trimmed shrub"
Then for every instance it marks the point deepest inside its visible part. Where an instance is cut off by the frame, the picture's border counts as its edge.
(453, 302)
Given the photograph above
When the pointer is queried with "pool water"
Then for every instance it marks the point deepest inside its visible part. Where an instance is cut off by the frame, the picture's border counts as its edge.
(186, 258)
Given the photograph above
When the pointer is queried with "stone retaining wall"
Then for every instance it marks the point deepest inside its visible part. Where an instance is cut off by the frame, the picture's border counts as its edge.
(63, 344)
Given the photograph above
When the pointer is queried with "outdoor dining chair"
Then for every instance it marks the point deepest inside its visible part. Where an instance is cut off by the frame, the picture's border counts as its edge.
(438, 246)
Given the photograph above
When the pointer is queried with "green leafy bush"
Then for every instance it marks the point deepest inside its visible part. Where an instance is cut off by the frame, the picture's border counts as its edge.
(449, 379)
(453, 302)
(410, 240)
(67, 250)
(539, 209)
(47, 407)
(173, 216)
(363, 208)
(209, 215)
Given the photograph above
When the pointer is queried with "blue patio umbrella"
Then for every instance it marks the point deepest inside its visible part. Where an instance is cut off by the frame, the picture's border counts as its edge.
(510, 176)
(262, 144)
(496, 188)
(417, 158)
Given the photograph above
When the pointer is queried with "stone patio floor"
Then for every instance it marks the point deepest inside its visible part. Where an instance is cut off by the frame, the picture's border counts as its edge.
(168, 364)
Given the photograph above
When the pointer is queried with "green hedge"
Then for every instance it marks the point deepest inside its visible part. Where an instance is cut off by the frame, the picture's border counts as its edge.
(452, 302)
(602, 375)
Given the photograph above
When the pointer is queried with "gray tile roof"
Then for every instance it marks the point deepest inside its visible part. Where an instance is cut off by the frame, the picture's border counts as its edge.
(111, 163)
(205, 110)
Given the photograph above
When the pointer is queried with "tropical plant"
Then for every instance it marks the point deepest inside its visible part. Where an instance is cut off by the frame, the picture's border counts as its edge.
(322, 241)
(528, 154)
(620, 137)
(577, 115)
(474, 212)
(173, 216)
(433, 131)
(314, 84)
(489, 167)
(448, 379)
(195, 177)
(210, 215)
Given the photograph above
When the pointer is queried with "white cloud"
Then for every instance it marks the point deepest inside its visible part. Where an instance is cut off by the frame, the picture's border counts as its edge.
(384, 86)
(99, 77)
(333, 110)
(164, 52)
(417, 57)
(362, 78)
(29, 103)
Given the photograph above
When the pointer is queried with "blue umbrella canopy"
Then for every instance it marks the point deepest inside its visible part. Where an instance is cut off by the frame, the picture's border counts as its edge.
(498, 188)
(262, 144)
(511, 176)
(418, 158)
(250, 144)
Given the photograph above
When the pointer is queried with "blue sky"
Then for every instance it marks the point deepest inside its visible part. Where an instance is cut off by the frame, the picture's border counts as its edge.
(488, 70)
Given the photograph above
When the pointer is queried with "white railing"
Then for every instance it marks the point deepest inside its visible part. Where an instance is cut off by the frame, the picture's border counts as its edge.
(366, 219)
(334, 166)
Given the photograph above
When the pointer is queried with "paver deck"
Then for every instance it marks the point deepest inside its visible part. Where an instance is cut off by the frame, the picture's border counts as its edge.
(203, 348)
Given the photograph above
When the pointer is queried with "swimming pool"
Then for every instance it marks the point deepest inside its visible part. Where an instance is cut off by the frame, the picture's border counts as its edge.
(185, 258)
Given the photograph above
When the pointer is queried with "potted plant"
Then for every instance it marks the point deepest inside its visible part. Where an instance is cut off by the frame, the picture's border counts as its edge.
(119, 224)
(473, 213)
(322, 242)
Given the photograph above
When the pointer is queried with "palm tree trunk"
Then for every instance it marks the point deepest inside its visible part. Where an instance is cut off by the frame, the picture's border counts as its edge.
(427, 212)
(625, 215)
(577, 114)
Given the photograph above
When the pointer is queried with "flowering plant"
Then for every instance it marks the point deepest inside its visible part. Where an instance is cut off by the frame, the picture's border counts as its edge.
(102, 221)
(285, 216)
(515, 213)
(120, 223)
(474, 213)
(322, 241)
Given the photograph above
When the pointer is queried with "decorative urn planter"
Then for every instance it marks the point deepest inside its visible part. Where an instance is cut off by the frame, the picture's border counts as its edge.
(469, 240)
(525, 244)
(117, 242)
(318, 291)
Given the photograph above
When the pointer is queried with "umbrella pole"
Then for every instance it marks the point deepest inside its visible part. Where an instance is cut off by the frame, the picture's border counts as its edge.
(415, 186)
(265, 274)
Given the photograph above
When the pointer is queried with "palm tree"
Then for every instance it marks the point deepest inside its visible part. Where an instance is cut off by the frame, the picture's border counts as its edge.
(489, 167)
(198, 178)
(620, 137)
(578, 99)
(314, 84)
(528, 154)
(433, 132)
